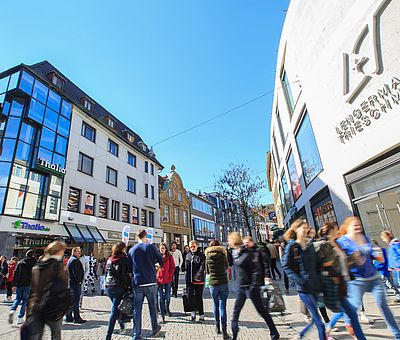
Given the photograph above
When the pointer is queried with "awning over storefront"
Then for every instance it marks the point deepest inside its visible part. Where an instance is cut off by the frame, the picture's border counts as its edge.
(84, 234)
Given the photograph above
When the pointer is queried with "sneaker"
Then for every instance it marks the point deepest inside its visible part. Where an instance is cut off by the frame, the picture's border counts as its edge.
(193, 316)
(11, 317)
(364, 318)
(201, 318)
(80, 321)
(20, 321)
(156, 332)
(287, 291)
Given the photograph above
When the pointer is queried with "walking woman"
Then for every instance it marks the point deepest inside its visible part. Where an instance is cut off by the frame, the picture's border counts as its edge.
(49, 268)
(165, 276)
(335, 275)
(393, 260)
(251, 271)
(300, 264)
(117, 284)
(195, 279)
(216, 268)
(356, 244)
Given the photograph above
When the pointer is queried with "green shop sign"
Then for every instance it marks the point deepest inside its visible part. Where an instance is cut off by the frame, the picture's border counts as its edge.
(29, 226)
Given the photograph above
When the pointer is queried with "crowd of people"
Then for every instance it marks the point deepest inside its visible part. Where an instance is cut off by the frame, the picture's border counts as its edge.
(332, 270)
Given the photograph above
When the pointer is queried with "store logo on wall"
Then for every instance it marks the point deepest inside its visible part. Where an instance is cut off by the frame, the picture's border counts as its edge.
(42, 163)
(365, 59)
(28, 226)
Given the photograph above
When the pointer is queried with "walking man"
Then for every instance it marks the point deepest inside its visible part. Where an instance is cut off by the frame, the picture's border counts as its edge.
(22, 280)
(178, 260)
(75, 279)
(274, 257)
(143, 258)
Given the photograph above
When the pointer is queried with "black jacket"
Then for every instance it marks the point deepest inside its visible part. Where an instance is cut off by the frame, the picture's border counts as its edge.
(250, 267)
(75, 270)
(23, 272)
(195, 267)
(216, 265)
(117, 269)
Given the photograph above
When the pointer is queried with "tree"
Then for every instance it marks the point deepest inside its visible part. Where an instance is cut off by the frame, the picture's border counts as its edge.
(237, 184)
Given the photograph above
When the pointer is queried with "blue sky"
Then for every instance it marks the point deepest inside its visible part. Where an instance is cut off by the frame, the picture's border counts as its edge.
(164, 66)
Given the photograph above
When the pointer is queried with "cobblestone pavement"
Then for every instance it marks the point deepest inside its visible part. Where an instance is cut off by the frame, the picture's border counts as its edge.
(96, 311)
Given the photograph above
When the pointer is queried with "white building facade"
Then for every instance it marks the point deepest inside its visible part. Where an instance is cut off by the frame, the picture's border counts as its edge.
(335, 146)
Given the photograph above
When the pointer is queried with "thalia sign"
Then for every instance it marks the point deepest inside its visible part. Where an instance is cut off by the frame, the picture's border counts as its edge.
(28, 226)
(52, 167)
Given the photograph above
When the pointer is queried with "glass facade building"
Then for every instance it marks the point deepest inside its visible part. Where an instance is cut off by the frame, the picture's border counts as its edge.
(34, 131)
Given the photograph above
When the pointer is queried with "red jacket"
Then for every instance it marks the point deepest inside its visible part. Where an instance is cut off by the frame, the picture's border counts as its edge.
(165, 274)
(11, 270)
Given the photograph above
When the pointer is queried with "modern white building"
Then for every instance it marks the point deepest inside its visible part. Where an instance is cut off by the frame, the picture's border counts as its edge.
(335, 145)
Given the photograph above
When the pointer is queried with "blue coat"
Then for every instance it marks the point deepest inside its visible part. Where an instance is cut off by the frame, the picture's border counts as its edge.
(394, 254)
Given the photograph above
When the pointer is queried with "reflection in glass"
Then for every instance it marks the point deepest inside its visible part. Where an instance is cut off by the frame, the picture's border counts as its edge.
(288, 93)
(13, 81)
(51, 119)
(36, 111)
(15, 201)
(286, 193)
(4, 173)
(59, 160)
(47, 139)
(23, 152)
(66, 109)
(45, 154)
(52, 208)
(12, 127)
(63, 126)
(19, 176)
(2, 197)
(37, 183)
(294, 177)
(27, 133)
(40, 91)
(61, 145)
(2, 128)
(26, 83)
(308, 150)
(6, 108)
(54, 101)
(34, 206)
(55, 186)
(7, 149)
(16, 109)
(4, 84)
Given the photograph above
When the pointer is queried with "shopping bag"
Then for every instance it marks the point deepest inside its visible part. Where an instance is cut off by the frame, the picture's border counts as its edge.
(272, 298)
(187, 305)
(126, 305)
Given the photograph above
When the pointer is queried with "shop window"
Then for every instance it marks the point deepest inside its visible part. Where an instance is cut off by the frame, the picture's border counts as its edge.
(322, 209)
(287, 92)
(55, 186)
(115, 210)
(131, 159)
(125, 213)
(308, 150)
(135, 215)
(294, 177)
(112, 176)
(151, 219)
(131, 185)
(103, 207)
(15, 201)
(37, 183)
(74, 198)
(88, 132)
(113, 147)
(176, 215)
(152, 192)
(85, 164)
(34, 206)
(143, 217)
(89, 203)
(52, 208)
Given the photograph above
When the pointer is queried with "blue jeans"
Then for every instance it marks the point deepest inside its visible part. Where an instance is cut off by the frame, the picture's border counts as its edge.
(356, 290)
(396, 278)
(21, 296)
(139, 293)
(115, 295)
(164, 297)
(311, 304)
(219, 295)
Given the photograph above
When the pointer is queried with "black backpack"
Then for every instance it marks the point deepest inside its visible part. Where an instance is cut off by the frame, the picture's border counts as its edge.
(57, 299)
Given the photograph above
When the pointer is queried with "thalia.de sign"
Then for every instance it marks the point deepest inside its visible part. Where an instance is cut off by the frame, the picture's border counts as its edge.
(54, 167)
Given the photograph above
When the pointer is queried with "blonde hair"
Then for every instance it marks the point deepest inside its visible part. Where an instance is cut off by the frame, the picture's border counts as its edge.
(248, 238)
(388, 234)
(290, 234)
(349, 220)
(236, 238)
(193, 242)
(55, 247)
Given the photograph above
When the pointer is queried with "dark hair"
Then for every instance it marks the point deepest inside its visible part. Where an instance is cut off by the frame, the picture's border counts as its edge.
(30, 253)
(167, 254)
(326, 229)
(214, 243)
(290, 234)
(142, 234)
(173, 242)
(118, 248)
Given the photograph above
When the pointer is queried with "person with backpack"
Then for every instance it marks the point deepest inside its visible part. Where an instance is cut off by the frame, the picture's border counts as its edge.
(49, 297)
(300, 264)
(393, 259)
(10, 278)
(22, 280)
(117, 284)
(250, 275)
(216, 268)
(165, 277)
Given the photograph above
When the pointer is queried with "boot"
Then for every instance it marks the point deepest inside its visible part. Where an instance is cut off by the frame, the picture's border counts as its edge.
(168, 312)
(225, 334)
(218, 328)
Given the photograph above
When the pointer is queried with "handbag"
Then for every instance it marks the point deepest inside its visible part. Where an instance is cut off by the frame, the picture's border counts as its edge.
(187, 305)
(272, 298)
(126, 305)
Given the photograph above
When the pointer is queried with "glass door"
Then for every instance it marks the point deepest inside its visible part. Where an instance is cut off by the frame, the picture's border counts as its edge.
(391, 209)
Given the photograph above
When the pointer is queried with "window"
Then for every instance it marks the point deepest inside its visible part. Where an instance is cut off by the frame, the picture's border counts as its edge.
(170, 192)
(152, 169)
(179, 196)
(129, 137)
(286, 193)
(115, 210)
(131, 159)
(283, 206)
(146, 166)
(287, 92)
(26, 83)
(176, 215)
(125, 213)
(131, 185)
(294, 177)
(74, 198)
(185, 218)
(152, 192)
(143, 217)
(103, 207)
(89, 204)
(85, 164)
(201, 206)
(146, 190)
(280, 127)
(151, 219)
(56, 80)
(87, 104)
(166, 214)
(110, 122)
(308, 150)
(276, 150)
(112, 147)
(88, 132)
(135, 215)
(112, 176)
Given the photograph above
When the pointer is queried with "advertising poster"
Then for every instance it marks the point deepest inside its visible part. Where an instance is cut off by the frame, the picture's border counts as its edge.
(89, 204)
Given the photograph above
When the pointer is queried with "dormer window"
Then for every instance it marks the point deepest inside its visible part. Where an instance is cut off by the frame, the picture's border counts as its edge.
(110, 122)
(143, 146)
(56, 80)
(129, 136)
(87, 103)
